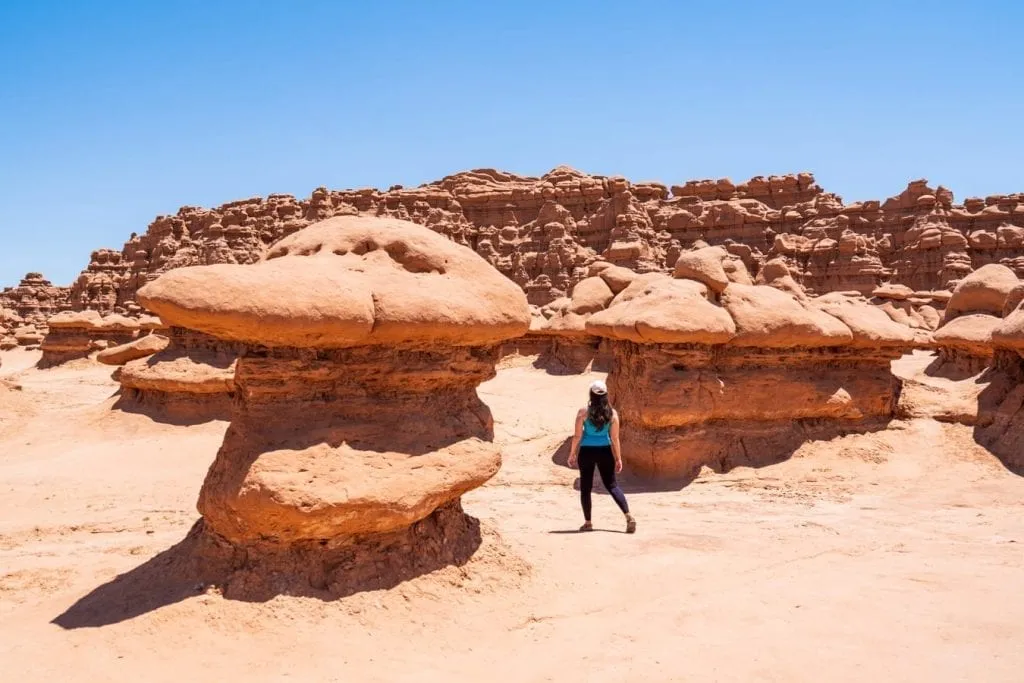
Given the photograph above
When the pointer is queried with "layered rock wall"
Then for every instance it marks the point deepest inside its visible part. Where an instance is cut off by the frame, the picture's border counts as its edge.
(685, 406)
(544, 232)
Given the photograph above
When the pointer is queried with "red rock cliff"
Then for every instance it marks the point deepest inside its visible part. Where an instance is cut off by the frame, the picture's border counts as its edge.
(544, 232)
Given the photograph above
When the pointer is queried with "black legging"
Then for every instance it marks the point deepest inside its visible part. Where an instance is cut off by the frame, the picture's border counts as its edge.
(602, 458)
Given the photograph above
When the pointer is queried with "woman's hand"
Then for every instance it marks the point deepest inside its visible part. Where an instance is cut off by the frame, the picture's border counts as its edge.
(577, 433)
(618, 465)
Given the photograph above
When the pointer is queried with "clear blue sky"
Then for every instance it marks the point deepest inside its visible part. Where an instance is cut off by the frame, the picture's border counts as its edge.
(113, 112)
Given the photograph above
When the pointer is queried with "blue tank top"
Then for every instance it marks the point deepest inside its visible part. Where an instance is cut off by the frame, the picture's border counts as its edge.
(592, 436)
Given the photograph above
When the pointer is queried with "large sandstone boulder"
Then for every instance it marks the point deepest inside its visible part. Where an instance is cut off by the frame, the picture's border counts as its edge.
(769, 318)
(983, 291)
(776, 273)
(357, 420)
(870, 327)
(616, 277)
(590, 296)
(970, 334)
(665, 311)
(713, 266)
(133, 350)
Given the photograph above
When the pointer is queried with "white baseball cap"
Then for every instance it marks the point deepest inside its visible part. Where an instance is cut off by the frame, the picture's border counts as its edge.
(599, 387)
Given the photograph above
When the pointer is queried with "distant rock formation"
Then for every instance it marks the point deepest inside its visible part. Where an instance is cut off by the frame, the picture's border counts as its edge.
(74, 335)
(35, 299)
(545, 232)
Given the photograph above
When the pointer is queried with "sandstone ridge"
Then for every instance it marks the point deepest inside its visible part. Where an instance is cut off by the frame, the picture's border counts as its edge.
(544, 232)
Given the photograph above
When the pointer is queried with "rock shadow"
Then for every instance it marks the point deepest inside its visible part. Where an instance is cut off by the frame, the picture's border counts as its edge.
(177, 409)
(736, 447)
(627, 482)
(203, 561)
(957, 370)
(1000, 424)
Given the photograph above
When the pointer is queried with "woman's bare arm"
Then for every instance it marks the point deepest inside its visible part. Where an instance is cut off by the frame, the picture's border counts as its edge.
(580, 416)
(614, 434)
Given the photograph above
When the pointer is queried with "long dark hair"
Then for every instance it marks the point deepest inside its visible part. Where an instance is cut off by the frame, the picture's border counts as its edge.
(599, 410)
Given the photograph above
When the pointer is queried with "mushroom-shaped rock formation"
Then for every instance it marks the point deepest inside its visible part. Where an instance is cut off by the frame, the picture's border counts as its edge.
(1004, 436)
(29, 336)
(967, 337)
(73, 335)
(357, 427)
(361, 281)
(190, 380)
(742, 378)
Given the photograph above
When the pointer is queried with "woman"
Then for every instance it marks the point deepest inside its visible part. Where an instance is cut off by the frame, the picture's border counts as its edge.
(597, 438)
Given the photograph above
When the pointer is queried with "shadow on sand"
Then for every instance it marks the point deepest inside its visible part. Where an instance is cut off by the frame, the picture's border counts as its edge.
(202, 561)
(958, 370)
(177, 409)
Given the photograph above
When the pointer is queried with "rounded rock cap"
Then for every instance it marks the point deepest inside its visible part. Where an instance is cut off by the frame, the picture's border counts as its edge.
(348, 281)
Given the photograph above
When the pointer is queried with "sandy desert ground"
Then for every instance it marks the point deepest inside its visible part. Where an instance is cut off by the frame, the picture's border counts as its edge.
(890, 556)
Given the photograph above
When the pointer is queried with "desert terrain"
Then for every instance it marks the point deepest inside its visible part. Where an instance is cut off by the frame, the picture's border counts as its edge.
(891, 555)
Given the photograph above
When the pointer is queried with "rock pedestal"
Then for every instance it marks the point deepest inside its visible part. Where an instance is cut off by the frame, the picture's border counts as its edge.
(742, 377)
(356, 426)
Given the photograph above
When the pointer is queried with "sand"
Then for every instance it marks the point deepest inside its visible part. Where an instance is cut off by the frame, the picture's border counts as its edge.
(892, 556)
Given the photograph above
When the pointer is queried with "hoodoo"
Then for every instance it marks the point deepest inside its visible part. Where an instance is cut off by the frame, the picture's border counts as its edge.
(1004, 435)
(975, 310)
(356, 426)
(76, 335)
(714, 371)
